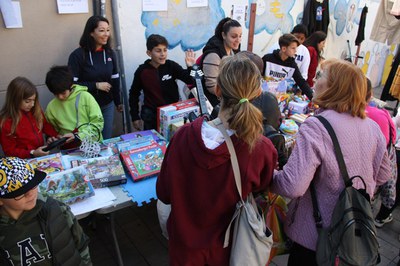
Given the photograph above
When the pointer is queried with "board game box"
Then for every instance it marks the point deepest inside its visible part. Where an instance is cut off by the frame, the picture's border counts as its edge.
(67, 186)
(49, 164)
(145, 161)
(103, 171)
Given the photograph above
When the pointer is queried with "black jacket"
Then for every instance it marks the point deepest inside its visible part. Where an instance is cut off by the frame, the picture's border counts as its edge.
(100, 66)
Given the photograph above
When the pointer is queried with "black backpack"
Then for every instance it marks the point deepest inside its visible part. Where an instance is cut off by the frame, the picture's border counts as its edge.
(351, 237)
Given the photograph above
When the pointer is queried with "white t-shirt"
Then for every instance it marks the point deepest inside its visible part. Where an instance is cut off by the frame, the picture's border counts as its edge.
(302, 58)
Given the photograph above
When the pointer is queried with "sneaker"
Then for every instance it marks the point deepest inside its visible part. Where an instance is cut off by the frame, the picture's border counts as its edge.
(379, 223)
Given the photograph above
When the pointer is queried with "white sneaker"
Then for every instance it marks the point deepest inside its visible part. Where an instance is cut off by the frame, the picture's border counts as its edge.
(380, 223)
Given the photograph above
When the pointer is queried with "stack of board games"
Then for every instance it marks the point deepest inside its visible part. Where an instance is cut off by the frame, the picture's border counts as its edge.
(68, 186)
(102, 171)
(172, 113)
(49, 164)
(145, 160)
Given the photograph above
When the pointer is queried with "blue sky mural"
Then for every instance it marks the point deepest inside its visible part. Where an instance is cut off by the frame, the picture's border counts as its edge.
(347, 14)
(188, 27)
(273, 15)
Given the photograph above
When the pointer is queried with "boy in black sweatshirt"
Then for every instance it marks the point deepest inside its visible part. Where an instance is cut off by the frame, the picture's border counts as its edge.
(156, 77)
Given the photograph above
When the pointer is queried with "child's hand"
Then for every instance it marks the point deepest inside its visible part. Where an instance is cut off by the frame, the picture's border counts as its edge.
(39, 152)
(137, 124)
(70, 137)
(103, 86)
(190, 58)
(51, 139)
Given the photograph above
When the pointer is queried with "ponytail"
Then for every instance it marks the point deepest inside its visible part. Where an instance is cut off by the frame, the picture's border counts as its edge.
(240, 82)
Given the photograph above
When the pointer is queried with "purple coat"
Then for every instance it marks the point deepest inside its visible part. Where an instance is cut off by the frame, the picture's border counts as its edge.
(364, 151)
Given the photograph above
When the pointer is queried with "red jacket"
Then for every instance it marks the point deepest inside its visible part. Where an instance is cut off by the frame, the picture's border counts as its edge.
(199, 184)
(27, 136)
(312, 69)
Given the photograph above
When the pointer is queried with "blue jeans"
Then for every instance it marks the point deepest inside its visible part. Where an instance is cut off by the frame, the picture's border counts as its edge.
(108, 116)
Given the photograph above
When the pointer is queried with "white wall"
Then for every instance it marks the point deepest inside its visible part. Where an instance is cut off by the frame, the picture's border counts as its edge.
(179, 22)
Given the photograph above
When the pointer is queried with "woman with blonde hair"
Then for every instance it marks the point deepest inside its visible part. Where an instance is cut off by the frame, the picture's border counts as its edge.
(340, 93)
(196, 176)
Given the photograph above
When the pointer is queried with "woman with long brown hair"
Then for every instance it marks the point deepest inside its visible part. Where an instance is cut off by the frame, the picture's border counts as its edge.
(196, 176)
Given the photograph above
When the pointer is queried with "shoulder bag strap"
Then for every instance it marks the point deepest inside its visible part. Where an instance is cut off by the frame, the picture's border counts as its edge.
(342, 167)
(235, 165)
(390, 136)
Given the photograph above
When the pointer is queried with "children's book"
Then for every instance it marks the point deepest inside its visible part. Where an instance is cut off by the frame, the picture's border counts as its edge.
(103, 171)
(49, 164)
(134, 143)
(140, 134)
(67, 186)
(145, 161)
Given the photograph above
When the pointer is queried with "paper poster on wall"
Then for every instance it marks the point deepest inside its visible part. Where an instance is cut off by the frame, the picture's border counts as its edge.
(155, 5)
(11, 12)
(239, 13)
(72, 6)
(196, 3)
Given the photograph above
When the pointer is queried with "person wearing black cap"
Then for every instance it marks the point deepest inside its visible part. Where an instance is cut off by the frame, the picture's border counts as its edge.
(32, 228)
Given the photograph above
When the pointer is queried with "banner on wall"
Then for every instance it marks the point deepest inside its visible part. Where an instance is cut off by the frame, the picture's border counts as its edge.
(197, 3)
(72, 6)
(155, 5)
(11, 11)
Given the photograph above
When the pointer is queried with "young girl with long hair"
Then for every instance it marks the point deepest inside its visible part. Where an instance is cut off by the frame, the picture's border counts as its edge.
(196, 176)
(315, 45)
(22, 122)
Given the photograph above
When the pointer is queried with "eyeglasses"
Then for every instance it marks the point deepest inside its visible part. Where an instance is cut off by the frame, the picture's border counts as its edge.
(23, 195)
(319, 75)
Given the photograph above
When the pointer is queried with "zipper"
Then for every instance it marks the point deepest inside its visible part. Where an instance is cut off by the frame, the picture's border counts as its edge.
(34, 130)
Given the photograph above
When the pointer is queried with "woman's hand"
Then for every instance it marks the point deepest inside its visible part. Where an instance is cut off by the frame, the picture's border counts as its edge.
(103, 86)
(137, 124)
(120, 108)
(190, 58)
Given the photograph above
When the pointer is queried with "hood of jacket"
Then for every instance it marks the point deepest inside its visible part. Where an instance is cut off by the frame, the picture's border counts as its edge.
(76, 89)
(215, 45)
(26, 217)
(278, 57)
(205, 157)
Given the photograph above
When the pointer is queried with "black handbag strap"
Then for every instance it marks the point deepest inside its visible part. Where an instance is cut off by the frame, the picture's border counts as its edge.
(342, 167)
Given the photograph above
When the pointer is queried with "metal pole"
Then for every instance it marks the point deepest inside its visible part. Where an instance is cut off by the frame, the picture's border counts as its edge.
(126, 117)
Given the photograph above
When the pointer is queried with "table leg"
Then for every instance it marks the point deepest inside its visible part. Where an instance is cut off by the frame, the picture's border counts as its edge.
(115, 240)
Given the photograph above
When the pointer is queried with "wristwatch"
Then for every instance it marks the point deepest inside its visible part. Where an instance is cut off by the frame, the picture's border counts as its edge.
(31, 153)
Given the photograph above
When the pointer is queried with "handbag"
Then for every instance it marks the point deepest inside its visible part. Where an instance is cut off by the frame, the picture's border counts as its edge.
(251, 239)
(274, 208)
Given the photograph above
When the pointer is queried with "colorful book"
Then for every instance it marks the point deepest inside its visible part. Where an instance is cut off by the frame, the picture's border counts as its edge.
(103, 171)
(67, 186)
(49, 164)
(134, 143)
(140, 134)
(145, 161)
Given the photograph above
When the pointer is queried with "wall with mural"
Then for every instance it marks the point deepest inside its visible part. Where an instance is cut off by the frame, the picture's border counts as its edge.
(190, 28)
